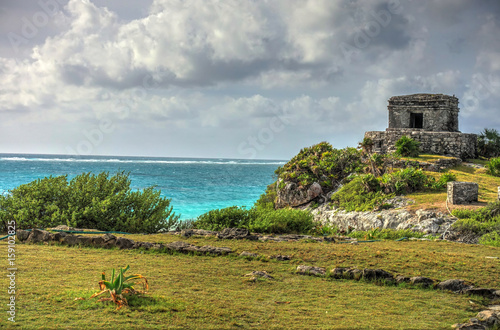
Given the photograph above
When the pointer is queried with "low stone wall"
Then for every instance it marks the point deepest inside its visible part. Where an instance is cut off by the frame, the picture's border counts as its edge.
(111, 241)
(453, 144)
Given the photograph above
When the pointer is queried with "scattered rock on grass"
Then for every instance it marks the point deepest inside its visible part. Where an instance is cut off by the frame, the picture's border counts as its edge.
(259, 274)
(457, 286)
(235, 233)
(311, 270)
(422, 281)
(280, 257)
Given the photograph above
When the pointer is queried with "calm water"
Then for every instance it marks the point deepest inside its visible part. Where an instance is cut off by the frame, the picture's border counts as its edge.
(194, 185)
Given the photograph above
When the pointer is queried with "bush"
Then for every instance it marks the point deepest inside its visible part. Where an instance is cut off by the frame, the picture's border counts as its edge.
(320, 163)
(484, 221)
(404, 181)
(494, 166)
(362, 193)
(229, 217)
(407, 147)
(88, 201)
(282, 221)
(443, 181)
(491, 239)
(488, 143)
(267, 199)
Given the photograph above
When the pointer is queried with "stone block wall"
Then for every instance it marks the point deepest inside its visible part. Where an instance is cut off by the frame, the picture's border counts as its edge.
(462, 192)
(453, 144)
(437, 112)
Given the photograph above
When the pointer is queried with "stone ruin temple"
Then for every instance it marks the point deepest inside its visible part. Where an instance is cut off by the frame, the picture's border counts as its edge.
(432, 120)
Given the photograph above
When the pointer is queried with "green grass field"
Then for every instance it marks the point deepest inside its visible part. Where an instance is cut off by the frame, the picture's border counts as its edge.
(208, 292)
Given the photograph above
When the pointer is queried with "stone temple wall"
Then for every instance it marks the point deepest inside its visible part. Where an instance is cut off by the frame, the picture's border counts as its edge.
(429, 112)
(453, 144)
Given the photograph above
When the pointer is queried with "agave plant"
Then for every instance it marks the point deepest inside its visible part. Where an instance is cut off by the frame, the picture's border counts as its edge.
(119, 286)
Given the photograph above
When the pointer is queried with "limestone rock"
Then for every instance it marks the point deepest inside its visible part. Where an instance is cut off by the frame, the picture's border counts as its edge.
(198, 232)
(71, 240)
(454, 285)
(422, 281)
(38, 236)
(488, 293)
(235, 233)
(376, 274)
(311, 270)
(280, 257)
(402, 279)
(261, 274)
(22, 235)
(124, 243)
(294, 195)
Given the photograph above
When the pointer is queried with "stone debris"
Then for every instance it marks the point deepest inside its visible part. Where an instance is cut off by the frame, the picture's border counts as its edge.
(487, 319)
(235, 233)
(259, 274)
(110, 241)
(280, 257)
(454, 285)
(311, 270)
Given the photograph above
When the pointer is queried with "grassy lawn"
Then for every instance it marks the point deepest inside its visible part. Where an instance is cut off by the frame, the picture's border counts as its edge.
(488, 190)
(205, 292)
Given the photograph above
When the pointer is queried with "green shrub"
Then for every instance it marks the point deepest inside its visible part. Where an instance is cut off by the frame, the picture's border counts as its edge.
(404, 181)
(229, 217)
(362, 193)
(267, 199)
(491, 239)
(88, 201)
(407, 147)
(484, 221)
(282, 221)
(494, 166)
(320, 163)
(488, 143)
(443, 181)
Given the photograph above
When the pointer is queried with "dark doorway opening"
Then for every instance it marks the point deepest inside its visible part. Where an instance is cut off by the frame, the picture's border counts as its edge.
(416, 120)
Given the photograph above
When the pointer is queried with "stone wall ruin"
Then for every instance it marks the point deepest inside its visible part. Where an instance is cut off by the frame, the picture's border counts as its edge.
(432, 120)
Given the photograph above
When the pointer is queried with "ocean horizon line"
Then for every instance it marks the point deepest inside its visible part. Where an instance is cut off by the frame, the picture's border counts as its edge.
(137, 159)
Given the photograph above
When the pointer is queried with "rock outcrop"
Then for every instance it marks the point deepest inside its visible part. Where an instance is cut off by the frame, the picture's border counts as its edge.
(294, 195)
(428, 222)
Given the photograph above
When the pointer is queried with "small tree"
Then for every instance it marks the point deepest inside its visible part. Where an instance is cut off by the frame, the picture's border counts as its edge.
(488, 143)
(407, 147)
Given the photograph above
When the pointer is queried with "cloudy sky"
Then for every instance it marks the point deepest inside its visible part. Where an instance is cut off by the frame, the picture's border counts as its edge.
(234, 78)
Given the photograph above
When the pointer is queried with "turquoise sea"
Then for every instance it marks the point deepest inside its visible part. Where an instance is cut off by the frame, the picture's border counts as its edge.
(194, 185)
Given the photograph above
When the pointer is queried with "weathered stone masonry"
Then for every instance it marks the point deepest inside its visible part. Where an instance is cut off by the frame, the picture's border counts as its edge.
(432, 120)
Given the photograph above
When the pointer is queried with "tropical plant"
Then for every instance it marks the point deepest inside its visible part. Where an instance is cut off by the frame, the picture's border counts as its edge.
(488, 143)
(320, 163)
(120, 286)
(407, 147)
(229, 217)
(493, 166)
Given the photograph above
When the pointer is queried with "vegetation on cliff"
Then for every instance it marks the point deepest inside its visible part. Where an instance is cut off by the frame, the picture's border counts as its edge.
(319, 163)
